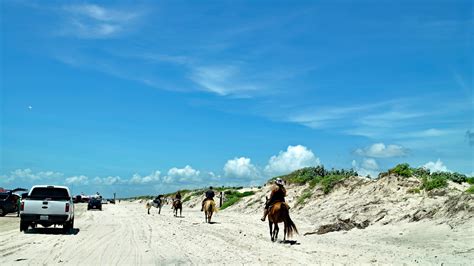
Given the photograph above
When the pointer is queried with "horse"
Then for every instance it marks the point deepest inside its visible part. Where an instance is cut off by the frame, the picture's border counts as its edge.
(152, 203)
(209, 209)
(279, 213)
(177, 205)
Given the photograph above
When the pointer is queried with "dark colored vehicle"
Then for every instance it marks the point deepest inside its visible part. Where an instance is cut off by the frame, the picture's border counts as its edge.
(94, 203)
(8, 203)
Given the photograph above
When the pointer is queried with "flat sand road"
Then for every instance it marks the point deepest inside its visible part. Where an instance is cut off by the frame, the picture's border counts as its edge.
(124, 234)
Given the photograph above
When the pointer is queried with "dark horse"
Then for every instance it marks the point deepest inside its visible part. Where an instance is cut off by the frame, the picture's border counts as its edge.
(279, 213)
(177, 205)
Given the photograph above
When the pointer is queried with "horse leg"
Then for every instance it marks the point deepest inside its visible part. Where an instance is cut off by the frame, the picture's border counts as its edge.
(180, 212)
(277, 229)
(270, 224)
(284, 232)
(148, 210)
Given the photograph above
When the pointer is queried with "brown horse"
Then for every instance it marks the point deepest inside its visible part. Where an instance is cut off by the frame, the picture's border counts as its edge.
(209, 209)
(279, 213)
(177, 205)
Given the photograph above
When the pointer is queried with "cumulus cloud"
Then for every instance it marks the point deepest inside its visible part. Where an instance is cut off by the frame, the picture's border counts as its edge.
(110, 180)
(380, 150)
(370, 164)
(241, 168)
(138, 179)
(214, 176)
(437, 166)
(77, 180)
(184, 174)
(295, 157)
(369, 167)
(27, 175)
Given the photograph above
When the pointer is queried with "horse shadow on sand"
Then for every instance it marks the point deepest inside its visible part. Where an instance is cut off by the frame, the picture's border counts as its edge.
(290, 242)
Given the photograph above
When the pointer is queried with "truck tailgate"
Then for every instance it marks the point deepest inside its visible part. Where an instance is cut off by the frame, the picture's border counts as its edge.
(45, 207)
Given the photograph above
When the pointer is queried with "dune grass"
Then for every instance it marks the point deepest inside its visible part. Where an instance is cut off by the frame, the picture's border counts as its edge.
(233, 196)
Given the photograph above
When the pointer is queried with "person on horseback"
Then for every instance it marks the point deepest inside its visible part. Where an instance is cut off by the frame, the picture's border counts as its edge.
(209, 196)
(177, 197)
(278, 194)
(158, 199)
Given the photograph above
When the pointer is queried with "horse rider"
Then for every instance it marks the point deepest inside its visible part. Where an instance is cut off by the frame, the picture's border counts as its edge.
(278, 194)
(177, 197)
(158, 199)
(209, 196)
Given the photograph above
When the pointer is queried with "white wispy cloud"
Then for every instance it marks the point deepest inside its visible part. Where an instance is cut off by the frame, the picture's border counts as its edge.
(91, 21)
(295, 157)
(222, 80)
(380, 150)
(241, 167)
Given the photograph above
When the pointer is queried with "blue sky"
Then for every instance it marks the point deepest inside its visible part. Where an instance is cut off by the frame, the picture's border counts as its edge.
(148, 97)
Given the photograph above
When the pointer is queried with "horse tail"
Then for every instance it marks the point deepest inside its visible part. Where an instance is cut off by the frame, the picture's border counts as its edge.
(211, 206)
(290, 226)
(214, 207)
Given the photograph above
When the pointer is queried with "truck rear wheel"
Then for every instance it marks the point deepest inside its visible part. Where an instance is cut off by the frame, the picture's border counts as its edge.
(68, 226)
(2, 212)
(23, 226)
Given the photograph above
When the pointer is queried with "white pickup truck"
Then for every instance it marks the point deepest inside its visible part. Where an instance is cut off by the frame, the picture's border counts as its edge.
(47, 205)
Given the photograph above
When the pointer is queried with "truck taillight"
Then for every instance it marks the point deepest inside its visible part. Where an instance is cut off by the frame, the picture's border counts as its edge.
(66, 209)
(22, 206)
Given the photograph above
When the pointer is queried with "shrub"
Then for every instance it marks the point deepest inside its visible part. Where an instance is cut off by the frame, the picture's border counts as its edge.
(402, 170)
(470, 180)
(413, 190)
(470, 190)
(421, 171)
(328, 182)
(306, 194)
(233, 196)
(187, 198)
(434, 181)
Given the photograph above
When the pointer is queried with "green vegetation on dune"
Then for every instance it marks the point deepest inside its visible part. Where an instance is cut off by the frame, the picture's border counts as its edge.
(318, 175)
(429, 180)
(187, 198)
(470, 190)
(233, 196)
(470, 180)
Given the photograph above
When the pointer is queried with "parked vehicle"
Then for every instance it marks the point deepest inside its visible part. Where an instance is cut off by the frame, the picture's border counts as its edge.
(8, 203)
(95, 203)
(46, 206)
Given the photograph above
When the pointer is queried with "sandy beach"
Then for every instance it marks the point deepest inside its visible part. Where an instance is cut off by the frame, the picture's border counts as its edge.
(124, 234)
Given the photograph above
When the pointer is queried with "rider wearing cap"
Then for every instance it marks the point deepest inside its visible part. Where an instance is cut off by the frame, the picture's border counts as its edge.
(278, 194)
